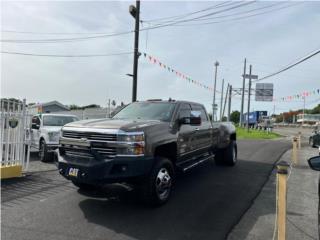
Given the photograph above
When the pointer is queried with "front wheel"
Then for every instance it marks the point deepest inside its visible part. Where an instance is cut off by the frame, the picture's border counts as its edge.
(157, 187)
(44, 155)
(228, 155)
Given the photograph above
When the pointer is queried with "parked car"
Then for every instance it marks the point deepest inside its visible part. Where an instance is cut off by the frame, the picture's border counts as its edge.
(45, 132)
(144, 145)
(314, 139)
(314, 163)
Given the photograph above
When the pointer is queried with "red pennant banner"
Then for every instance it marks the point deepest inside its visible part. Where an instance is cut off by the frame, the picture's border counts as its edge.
(154, 60)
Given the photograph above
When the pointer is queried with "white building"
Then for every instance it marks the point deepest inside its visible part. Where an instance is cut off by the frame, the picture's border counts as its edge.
(308, 118)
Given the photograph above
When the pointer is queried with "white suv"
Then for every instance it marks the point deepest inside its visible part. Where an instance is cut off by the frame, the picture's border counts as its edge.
(45, 132)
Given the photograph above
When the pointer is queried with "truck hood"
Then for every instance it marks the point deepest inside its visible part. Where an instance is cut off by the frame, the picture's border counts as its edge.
(123, 124)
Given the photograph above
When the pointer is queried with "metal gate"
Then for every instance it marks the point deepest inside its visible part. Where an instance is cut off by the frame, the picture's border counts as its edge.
(14, 139)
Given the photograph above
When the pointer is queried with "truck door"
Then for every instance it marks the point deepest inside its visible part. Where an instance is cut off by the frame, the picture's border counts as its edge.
(203, 133)
(186, 134)
(35, 131)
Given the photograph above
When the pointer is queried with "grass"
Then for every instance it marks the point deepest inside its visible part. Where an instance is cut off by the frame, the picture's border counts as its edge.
(242, 133)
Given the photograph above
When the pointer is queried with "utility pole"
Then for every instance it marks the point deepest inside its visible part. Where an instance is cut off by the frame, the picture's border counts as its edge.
(229, 104)
(243, 90)
(225, 100)
(249, 95)
(135, 12)
(221, 116)
(216, 64)
(109, 108)
(304, 107)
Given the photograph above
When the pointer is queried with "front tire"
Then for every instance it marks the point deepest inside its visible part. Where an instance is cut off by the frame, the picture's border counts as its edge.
(156, 189)
(228, 155)
(44, 155)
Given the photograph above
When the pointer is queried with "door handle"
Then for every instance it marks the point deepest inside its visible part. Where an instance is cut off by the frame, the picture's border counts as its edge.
(196, 129)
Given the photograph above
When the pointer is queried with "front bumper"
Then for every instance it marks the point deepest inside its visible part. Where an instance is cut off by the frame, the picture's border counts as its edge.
(52, 147)
(100, 171)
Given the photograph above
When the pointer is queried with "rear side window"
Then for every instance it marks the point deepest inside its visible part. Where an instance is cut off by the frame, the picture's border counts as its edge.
(204, 117)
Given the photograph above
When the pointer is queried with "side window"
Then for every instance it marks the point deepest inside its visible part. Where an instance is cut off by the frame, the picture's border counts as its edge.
(36, 120)
(204, 117)
(184, 111)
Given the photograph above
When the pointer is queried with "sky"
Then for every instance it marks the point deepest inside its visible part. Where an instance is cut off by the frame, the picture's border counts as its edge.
(269, 41)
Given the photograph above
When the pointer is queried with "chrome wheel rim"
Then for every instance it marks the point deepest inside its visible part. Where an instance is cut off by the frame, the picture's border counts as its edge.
(163, 184)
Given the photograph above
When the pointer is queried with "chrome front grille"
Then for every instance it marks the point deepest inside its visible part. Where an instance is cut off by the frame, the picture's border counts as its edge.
(89, 145)
(90, 136)
(90, 152)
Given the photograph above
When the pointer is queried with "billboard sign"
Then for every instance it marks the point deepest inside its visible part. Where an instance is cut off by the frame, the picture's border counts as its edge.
(264, 92)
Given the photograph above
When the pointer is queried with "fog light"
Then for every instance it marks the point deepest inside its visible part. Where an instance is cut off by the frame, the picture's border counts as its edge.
(124, 168)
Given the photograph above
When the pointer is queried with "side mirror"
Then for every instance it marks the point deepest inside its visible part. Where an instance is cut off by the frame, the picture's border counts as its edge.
(314, 163)
(195, 120)
(35, 126)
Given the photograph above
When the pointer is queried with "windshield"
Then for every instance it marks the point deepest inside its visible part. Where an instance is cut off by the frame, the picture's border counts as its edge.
(58, 120)
(147, 110)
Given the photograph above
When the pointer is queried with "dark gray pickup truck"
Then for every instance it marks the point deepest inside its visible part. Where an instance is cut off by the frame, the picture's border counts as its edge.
(144, 144)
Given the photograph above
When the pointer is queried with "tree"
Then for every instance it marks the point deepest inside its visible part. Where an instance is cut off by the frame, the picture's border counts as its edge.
(235, 117)
(316, 110)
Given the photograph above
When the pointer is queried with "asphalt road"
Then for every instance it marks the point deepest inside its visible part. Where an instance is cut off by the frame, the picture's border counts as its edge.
(206, 203)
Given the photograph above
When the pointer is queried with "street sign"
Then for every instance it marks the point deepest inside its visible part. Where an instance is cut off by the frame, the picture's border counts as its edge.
(252, 76)
(264, 92)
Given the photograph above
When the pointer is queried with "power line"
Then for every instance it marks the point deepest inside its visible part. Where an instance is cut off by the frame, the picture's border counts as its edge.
(241, 13)
(55, 40)
(64, 39)
(314, 53)
(66, 56)
(238, 18)
(56, 33)
(176, 17)
(106, 33)
(206, 15)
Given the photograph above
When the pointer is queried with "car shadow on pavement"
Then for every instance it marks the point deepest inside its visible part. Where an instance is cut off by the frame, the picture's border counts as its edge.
(206, 203)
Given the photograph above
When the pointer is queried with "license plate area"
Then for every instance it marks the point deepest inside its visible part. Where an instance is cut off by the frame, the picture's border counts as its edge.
(73, 172)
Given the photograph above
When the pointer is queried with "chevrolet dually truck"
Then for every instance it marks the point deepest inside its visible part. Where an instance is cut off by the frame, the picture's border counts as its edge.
(144, 145)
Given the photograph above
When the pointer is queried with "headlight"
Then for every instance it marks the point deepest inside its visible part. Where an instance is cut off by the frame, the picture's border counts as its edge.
(131, 137)
(132, 143)
(54, 136)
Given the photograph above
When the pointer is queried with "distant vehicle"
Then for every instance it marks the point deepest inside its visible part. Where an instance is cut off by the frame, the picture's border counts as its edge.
(45, 132)
(265, 123)
(254, 117)
(144, 145)
(314, 139)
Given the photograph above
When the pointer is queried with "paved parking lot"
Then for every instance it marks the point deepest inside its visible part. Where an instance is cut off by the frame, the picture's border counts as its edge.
(207, 202)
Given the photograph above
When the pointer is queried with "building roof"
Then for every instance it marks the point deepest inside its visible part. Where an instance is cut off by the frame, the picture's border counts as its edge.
(51, 103)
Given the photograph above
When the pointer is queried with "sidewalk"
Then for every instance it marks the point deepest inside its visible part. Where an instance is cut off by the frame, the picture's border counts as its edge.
(35, 165)
(302, 204)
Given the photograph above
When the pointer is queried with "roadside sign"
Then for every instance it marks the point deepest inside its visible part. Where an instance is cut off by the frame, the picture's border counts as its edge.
(252, 76)
(264, 92)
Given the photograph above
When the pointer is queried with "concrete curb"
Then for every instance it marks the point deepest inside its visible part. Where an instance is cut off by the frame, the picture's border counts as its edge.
(302, 204)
